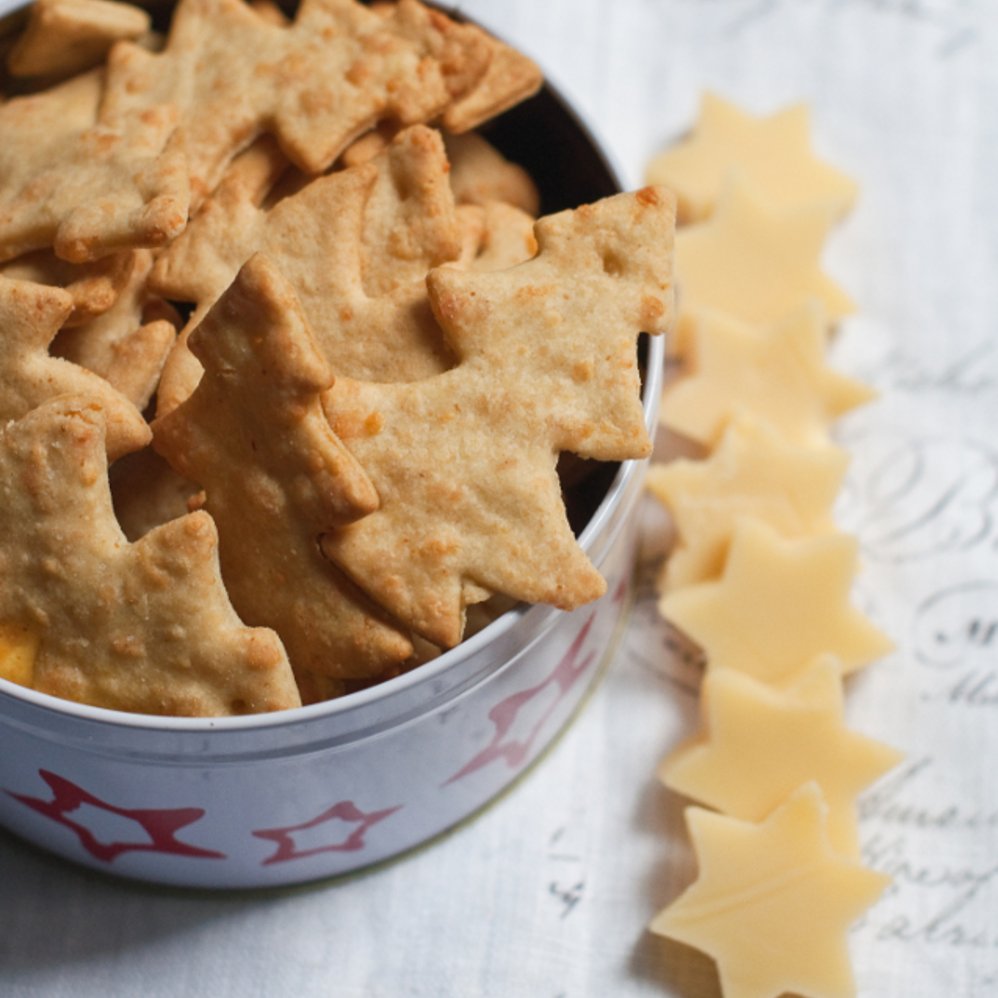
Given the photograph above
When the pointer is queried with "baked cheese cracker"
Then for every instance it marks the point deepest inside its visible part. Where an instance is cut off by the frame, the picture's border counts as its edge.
(316, 84)
(464, 462)
(66, 36)
(30, 316)
(276, 477)
(120, 345)
(356, 246)
(142, 627)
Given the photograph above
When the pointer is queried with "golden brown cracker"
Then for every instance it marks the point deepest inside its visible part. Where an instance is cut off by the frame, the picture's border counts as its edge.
(118, 345)
(253, 434)
(30, 317)
(464, 462)
(316, 84)
(86, 187)
(67, 36)
(495, 236)
(509, 78)
(141, 627)
(481, 174)
(355, 245)
(94, 286)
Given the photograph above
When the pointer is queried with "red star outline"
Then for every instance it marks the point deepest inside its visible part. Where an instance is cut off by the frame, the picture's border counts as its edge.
(344, 810)
(503, 715)
(160, 824)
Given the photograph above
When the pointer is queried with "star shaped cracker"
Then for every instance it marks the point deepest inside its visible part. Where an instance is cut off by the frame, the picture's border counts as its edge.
(760, 742)
(773, 153)
(464, 462)
(254, 436)
(755, 261)
(141, 627)
(30, 316)
(87, 185)
(336, 71)
(778, 605)
(356, 246)
(753, 471)
(773, 901)
(776, 373)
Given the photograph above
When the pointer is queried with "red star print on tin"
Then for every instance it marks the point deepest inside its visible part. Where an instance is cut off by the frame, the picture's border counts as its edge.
(510, 714)
(155, 828)
(345, 812)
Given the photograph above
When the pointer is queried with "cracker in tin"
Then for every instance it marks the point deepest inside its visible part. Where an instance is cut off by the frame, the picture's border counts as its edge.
(143, 627)
(331, 74)
(128, 344)
(254, 436)
(465, 462)
(355, 245)
(67, 36)
(30, 316)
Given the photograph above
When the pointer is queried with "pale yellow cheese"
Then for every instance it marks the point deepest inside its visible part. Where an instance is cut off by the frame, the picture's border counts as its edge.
(773, 153)
(779, 603)
(773, 902)
(754, 471)
(760, 742)
(775, 373)
(18, 651)
(754, 262)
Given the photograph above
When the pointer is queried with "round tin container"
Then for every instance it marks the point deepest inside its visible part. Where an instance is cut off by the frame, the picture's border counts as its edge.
(322, 790)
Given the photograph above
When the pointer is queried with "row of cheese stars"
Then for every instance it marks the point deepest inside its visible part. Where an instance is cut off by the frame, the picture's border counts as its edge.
(759, 577)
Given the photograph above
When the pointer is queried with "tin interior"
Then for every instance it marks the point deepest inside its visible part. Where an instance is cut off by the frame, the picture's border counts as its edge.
(547, 137)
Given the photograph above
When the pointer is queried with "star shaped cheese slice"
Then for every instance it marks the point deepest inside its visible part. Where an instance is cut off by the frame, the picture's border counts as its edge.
(755, 261)
(753, 471)
(772, 152)
(779, 603)
(773, 901)
(775, 373)
(760, 742)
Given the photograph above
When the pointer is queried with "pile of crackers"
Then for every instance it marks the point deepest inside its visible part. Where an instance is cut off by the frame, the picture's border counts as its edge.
(290, 362)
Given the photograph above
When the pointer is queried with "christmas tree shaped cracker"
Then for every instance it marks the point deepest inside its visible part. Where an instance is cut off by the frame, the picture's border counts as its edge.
(254, 436)
(464, 462)
(30, 316)
(356, 246)
(87, 185)
(331, 74)
(143, 627)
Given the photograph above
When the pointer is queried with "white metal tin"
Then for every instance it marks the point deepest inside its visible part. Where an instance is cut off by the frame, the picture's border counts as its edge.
(330, 788)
